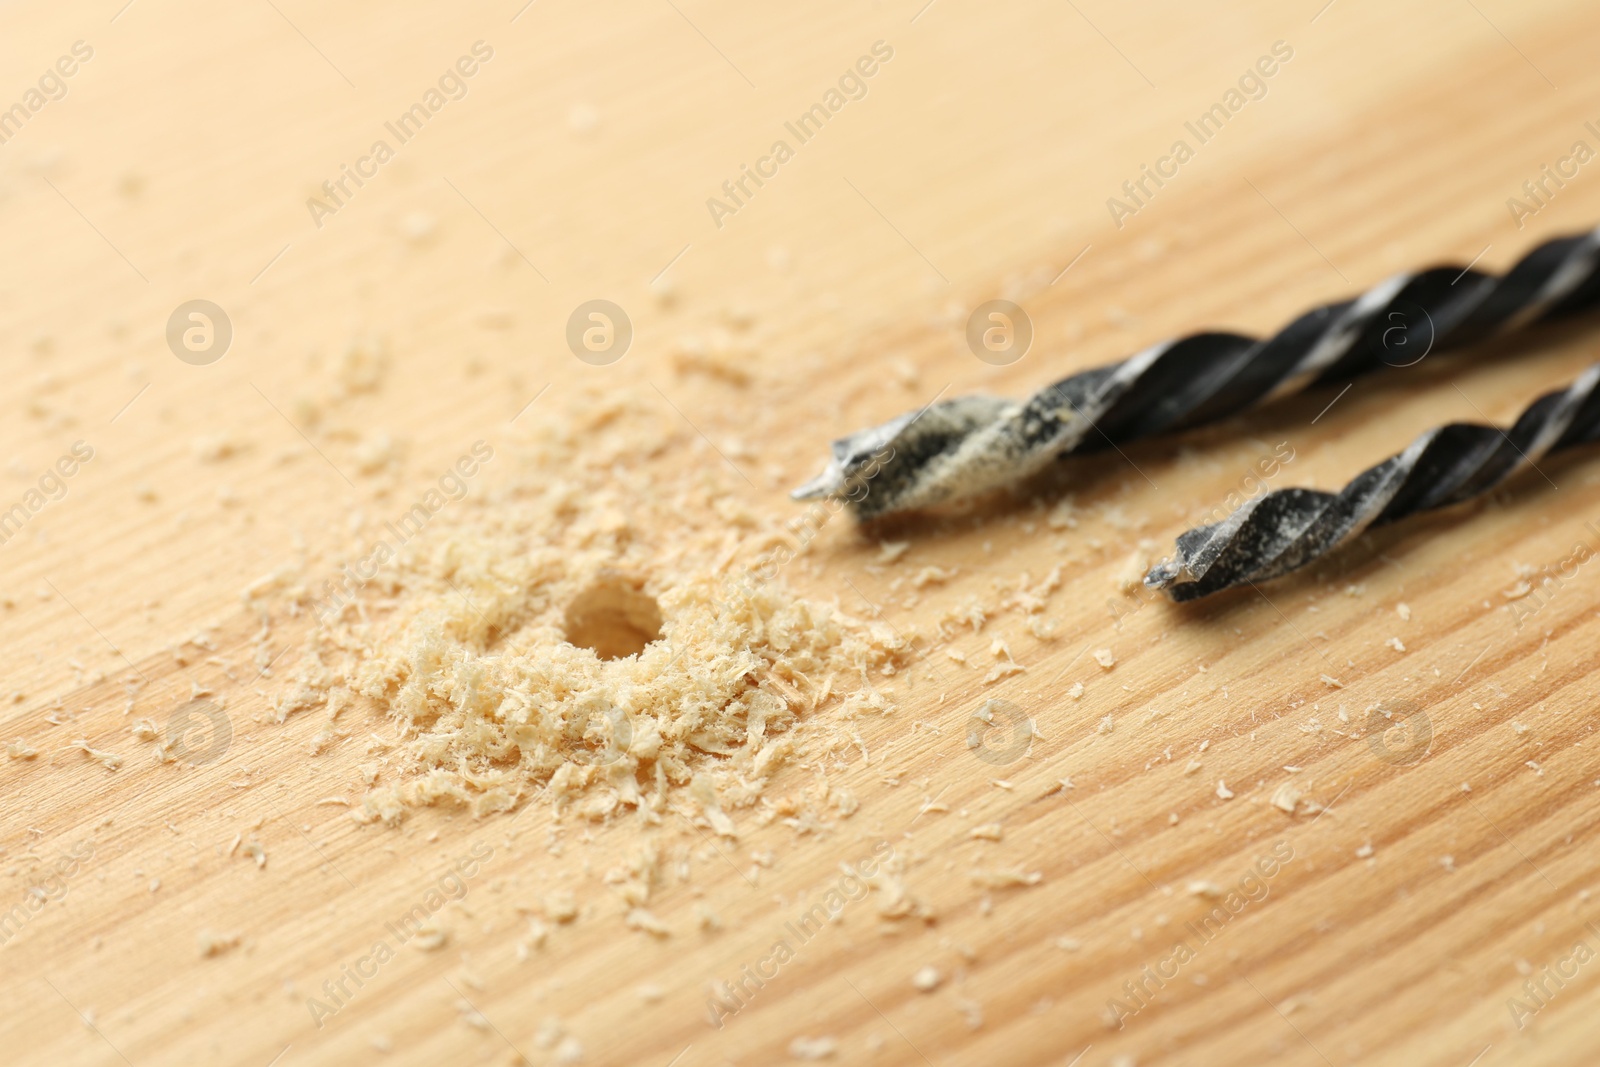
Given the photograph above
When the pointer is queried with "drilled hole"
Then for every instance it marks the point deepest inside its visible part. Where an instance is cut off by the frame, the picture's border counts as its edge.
(614, 617)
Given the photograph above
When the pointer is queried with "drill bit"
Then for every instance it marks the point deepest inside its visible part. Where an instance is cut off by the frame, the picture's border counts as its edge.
(1289, 528)
(969, 444)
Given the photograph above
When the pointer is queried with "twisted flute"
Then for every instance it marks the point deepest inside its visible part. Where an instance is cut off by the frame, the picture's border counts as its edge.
(969, 444)
(1289, 528)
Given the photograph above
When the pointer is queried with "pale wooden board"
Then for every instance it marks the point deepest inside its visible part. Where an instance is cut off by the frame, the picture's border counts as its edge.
(177, 166)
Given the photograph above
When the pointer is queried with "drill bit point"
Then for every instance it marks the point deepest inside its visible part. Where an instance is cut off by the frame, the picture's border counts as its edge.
(1164, 574)
(824, 485)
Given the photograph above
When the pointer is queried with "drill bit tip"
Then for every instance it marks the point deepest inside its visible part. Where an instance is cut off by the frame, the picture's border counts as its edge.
(824, 485)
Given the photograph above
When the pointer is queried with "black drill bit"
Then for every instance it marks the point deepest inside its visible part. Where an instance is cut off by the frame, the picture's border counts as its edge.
(963, 446)
(1289, 528)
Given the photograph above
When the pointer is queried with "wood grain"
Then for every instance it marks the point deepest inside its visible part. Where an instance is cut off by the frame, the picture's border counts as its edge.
(1418, 896)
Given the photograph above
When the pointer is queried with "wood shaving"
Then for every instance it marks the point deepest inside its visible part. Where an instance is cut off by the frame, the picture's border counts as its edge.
(560, 906)
(646, 921)
(1286, 798)
(109, 760)
(813, 1048)
(1002, 670)
(215, 944)
(431, 935)
(1005, 877)
(890, 551)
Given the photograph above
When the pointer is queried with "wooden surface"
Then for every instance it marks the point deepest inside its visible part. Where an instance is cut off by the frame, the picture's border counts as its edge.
(1420, 895)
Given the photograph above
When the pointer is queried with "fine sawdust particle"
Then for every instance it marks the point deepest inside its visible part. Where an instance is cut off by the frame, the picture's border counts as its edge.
(1005, 877)
(1404, 611)
(20, 749)
(215, 944)
(1075, 691)
(813, 1048)
(1286, 798)
(646, 921)
(1396, 644)
(109, 760)
(431, 935)
(927, 979)
(1105, 657)
(560, 906)
(889, 551)
(990, 831)
(1223, 791)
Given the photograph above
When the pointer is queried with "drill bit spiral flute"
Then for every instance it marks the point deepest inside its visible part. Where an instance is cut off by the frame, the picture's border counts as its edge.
(1289, 528)
(955, 448)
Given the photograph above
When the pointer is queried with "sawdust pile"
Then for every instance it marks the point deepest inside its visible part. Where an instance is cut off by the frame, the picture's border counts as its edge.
(580, 628)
